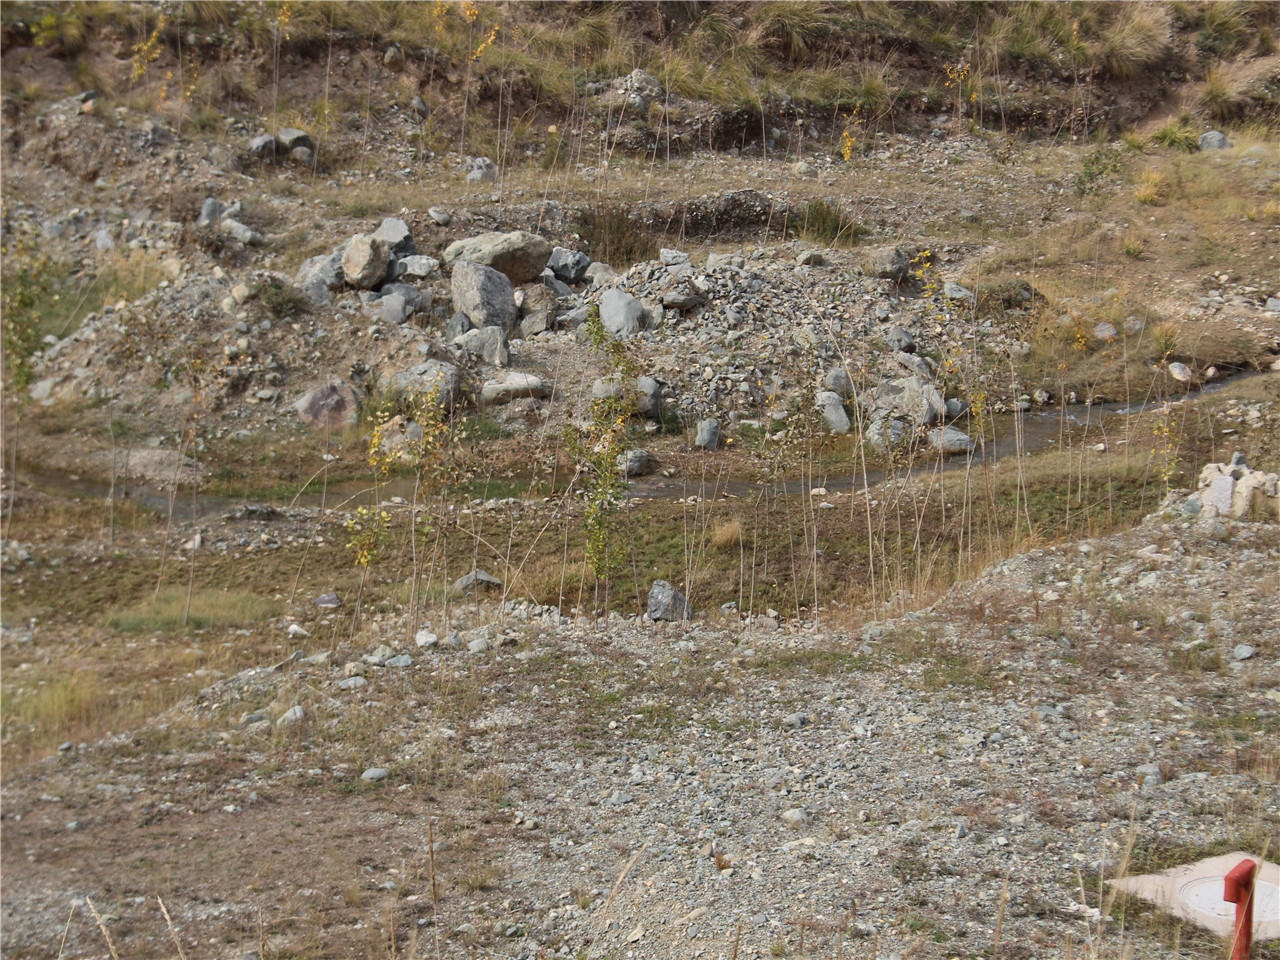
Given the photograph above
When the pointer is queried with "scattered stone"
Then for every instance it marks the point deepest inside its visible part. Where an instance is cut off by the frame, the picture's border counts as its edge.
(831, 407)
(708, 435)
(912, 398)
(210, 213)
(319, 276)
(440, 216)
(328, 601)
(332, 406)
(666, 602)
(795, 818)
(954, 291)
(1181, 372)
(1242, 652)
(374, 774)
(352, 683)
(397, 237)
(899, 340)
(422, 379)
(291, 717)
(950, 440)
(811, 258)
(402, 660)
(837, 380)
(1213, 140)
(890, 263)
(476, 580)
(633, 463)
(569, 265)
(512, 387)
(1104, 332)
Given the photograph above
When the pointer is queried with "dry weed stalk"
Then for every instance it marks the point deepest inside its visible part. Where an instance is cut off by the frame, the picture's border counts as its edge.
(172, 932)
(103, 927)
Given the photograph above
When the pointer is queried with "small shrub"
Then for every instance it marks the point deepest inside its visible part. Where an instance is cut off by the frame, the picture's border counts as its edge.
(1134, 246)
(1222, 98)
(825, 223)
(1177, 135)
(1224, 31)
(1135, 42)
(612, 237)
(1103, 162)
(1153, 189)
(1133, 142)
(276, 300)
(1271, 210)
(727, 536)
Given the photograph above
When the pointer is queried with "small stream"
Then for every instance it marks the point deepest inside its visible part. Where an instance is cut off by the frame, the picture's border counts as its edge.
(1040, 430)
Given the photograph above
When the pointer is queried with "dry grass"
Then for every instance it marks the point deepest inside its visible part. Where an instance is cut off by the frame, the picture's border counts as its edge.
(208, 609)
(727, 536)
(1153, 189)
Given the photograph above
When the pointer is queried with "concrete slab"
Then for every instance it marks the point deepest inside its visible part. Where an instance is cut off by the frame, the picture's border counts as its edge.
(1194, 892)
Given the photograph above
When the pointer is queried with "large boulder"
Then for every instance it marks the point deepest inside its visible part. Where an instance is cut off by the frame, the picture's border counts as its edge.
(634, 463)
(318, 276)
(331, 406)
(912, 398)
(885, 433)
(484, 294)
(423, 378)
(521, 255)
(833, 412)
(837, 380)
(365, 262)
(537, 312)
(666, 602)
(620, 313)
(488, 343)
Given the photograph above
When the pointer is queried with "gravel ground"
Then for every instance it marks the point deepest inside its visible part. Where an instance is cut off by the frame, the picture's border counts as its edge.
(633, 789)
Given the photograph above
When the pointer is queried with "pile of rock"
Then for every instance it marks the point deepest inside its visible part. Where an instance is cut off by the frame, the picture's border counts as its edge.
(1235, 490)
(290, 143)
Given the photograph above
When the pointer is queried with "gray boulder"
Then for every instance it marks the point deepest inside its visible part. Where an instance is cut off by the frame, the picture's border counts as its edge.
(838, 382)
(395, 310)
(318, 276)
(413, 297)
(911, 398)
(666, 602)
(537, 312)
(456, 326)
(914, 364)
(332, 406)
(633, 463)
(598, 273)
(364, 264)
(263, 146)
(605, 387)
(620, 313)
(885, 433)
(954, 291)
(950, 440)
(512, 387)
(898, 339)
(241, 232)
(488, 343)
(555, 285)
(1213, 140)
(431, 375)
(303, 156)
(396, 235)
(418, 266)
(890, 263)
(569, 265)
(440, 216)
(476, 580)
(521, 255)
(481, 170)
(649, 398)
(484, 294)
(210, 212)
(833, 412)
(708, 435)
(290, 138)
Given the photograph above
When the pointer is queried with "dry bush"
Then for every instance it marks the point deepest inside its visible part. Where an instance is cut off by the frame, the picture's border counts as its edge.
(727, 536)
(1135, 41)
(1153, 189)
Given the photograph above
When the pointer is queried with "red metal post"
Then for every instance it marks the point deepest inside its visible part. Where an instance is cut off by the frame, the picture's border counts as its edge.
(1238, 889)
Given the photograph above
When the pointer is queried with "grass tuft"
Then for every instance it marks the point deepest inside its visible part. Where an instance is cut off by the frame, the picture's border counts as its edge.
(209, 609)
(1177, 135)
(823, 222)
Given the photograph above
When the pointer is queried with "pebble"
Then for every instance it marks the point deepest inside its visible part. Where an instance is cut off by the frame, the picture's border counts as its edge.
(374, 774)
